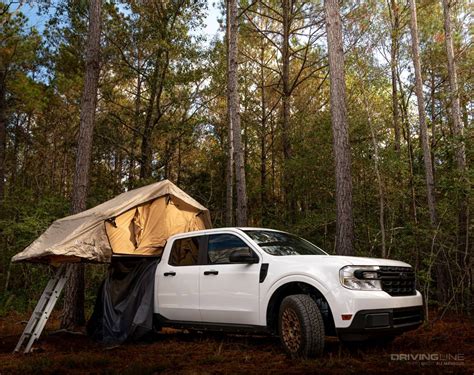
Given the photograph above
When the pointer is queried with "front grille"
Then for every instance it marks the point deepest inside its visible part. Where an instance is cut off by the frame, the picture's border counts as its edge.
(397, 281)
(407, 316)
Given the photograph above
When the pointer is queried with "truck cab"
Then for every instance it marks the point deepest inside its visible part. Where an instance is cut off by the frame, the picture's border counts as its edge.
(264, 280)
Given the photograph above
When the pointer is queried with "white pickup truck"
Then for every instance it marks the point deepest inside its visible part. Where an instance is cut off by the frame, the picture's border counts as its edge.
(263, 280)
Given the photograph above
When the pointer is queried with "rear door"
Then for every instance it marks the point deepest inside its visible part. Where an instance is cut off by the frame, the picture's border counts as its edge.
(177, 282)
(229, 292)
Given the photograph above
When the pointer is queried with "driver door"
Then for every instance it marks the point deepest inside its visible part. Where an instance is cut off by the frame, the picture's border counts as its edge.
(229, 292)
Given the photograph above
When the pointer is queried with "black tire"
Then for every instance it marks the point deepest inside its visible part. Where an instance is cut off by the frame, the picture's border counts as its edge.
(301, 326)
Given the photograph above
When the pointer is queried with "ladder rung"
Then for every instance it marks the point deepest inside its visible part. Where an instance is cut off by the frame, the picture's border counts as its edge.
(45, 305)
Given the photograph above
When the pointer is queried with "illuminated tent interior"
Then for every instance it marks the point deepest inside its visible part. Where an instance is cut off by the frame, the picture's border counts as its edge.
(137, 222)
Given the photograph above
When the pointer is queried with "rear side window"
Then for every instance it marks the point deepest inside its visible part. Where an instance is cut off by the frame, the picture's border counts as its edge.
(220, 247)
(185, 252)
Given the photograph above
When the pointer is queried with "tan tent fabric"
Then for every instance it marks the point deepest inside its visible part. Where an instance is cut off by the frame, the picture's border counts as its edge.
(122, 234)
(144, 219)
(144, 230)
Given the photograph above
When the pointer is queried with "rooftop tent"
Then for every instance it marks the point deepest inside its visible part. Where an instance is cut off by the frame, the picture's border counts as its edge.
(137, 222)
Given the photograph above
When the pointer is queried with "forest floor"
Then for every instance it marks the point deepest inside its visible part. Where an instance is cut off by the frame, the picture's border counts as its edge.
(180, 352)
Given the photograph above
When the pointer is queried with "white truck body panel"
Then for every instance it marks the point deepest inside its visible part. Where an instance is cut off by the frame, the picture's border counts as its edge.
(232, 296)
(178, 297)
(235, 295)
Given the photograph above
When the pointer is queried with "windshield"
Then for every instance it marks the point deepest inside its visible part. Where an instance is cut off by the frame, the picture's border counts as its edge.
(280, 243)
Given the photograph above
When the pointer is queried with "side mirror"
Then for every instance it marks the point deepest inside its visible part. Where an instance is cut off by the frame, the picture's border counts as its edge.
(243, 256)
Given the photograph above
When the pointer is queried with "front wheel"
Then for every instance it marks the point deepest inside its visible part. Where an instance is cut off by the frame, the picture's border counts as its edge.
(301, 326)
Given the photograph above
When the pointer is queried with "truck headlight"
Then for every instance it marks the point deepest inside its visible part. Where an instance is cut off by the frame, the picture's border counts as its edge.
(360, 277)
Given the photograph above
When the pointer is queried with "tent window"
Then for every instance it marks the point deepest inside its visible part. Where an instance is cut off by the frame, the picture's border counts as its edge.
(185, 252)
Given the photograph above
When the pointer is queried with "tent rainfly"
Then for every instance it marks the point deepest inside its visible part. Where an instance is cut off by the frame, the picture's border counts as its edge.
(137, 222)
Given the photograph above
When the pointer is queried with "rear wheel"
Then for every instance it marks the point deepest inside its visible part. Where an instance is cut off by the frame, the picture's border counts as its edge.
(301, 326)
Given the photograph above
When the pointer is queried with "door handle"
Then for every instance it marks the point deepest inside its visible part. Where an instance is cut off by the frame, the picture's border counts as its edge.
(171, 273)
(211, 272)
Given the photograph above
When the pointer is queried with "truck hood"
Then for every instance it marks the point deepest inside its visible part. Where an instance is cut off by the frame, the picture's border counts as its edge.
(341, 261)
(363, 261)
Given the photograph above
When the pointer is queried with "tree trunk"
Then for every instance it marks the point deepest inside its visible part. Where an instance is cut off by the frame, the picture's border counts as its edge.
(179, 161)
(425, 144)
(286, 80)
(411, 173)
(273, 160)
(263, 133)
(145, 149)
(458, 131)
(287, 151)
(433, 114)
(3, 138)
(407, 133)
(395, 21)
(234, 110)
(136, 123)
(430, 189)
(229, 192)
(379, 177)
(146, 155)
(460, 151)
(73, 312)
(340, 128)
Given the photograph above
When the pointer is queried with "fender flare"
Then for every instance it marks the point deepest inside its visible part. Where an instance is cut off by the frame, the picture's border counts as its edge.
(302, 278)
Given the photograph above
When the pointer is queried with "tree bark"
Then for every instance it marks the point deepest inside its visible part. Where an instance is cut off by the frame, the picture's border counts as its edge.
(73, 312)
(460, 151)
(395, 21)
(145, 148)
(407, 135)
(430, 188)
(340, 128)
(136, 123)
(285, 76)
(229, 193)
(433, 113)
(234, 108)
(3, 138)
(458, 131)
(442, 286)
(380, 187)
(286, 79)
(263, 133)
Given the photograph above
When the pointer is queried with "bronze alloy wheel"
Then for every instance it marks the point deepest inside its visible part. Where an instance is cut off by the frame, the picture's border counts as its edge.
(301, 326)
(291, 330)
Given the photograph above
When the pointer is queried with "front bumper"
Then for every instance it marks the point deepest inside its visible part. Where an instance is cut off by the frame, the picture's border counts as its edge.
(374, 323)
(346, 301)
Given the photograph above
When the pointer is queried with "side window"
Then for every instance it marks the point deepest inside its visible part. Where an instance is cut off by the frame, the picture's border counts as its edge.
(220, 246)
(185, 252)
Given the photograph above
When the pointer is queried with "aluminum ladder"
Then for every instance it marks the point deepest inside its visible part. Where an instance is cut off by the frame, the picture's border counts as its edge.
(43, 309)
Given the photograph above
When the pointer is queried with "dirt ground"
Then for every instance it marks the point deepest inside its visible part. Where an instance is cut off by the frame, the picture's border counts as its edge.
(180, 352)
